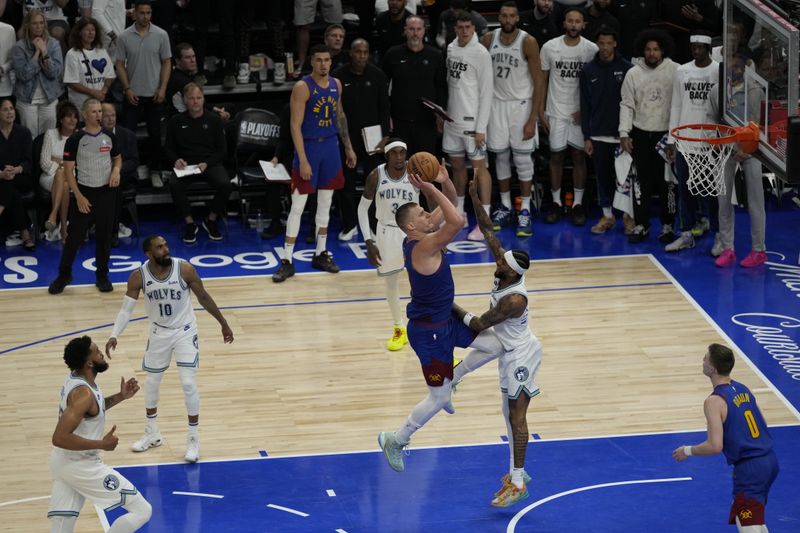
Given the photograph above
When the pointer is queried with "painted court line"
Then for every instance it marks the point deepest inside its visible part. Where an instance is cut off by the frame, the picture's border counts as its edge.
(331, 493)
(513, 524)
(199, 494)
(739, 352)
(24, 500)
(288, 510)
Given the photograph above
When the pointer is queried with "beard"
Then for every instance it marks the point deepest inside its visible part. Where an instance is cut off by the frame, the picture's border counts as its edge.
(652, 63)
(164, 261)
(100, 367)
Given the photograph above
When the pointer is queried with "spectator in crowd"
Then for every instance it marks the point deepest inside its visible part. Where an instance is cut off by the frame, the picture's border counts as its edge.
(196, 138)
(643, 120)
(516, 108)
(110, 15)
(236, 19)
(15, 171)
(317, 119)
(129, 149)
(415, 71)
(85, 8)
(365, 99)
(51, 161)
(57, 26)
(304, 13)
(449, 18)
(469, 81)
(633, 16)
(334, 40)
(598, 14)
(88, 69)
(185, 72)
(390, 26)
(92, 165)
(37, 62)
(562, 61)
(7, 40)
(692, 84)
(540, 22)
(681, 19)
(143, 67)
(601, 85)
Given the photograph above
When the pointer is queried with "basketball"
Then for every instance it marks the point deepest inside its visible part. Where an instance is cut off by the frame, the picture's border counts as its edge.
(425, 165)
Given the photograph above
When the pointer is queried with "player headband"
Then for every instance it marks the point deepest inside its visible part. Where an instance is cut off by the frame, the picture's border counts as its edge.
(702, 39)
(512, 262)
(394, 144)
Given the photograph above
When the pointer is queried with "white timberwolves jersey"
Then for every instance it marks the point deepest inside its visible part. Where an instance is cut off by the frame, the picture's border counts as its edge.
(391, 194)
(512, 332)
(89, 428)
(512, 79)
(167, 300)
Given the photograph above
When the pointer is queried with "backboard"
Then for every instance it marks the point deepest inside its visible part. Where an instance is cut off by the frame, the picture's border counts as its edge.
(761, 53)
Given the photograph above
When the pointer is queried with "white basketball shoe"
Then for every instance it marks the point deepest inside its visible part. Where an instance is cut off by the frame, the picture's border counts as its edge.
(150, 439)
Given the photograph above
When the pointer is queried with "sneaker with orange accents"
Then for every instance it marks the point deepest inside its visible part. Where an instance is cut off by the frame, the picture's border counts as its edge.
(398, 339)
(754, 259)
(604, 224)
(506, 480)
(509, 495)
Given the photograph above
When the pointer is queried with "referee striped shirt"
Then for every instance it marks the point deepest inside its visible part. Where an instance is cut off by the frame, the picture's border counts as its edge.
(92, 155)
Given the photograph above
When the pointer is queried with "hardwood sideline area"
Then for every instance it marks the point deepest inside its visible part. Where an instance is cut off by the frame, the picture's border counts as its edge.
(309, 372)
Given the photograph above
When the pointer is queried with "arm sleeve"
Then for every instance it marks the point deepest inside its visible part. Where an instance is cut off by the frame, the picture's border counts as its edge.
(363, 218)
(71, 147)
(24, 68)
(124, 316)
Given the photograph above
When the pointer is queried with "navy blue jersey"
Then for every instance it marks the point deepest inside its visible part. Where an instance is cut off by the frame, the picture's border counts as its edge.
(745, 434)
(431, 295)
(319, 120)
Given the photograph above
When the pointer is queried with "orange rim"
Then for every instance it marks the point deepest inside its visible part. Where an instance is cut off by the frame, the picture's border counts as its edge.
(742, 134)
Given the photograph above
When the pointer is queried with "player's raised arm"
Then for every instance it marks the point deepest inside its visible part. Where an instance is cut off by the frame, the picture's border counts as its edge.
(484, 222)
(448, 189)
(125, 311)
(434, 242)
(192, 279)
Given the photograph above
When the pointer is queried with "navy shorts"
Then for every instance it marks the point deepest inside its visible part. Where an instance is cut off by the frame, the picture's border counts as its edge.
(434, 345)
(752, 479)
(326, 166)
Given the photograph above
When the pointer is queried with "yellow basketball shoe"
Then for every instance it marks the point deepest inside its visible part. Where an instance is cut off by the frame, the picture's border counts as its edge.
(398, 339)
(509, 495)
(506, 480)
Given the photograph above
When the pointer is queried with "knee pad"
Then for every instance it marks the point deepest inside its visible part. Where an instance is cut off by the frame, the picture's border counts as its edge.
(190, 394)
(324, 198)
(152, 384)
(295, 213)
(502, 165)
(524, 164)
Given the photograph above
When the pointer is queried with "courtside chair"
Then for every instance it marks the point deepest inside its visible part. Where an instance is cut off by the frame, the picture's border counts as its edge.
(257, 133)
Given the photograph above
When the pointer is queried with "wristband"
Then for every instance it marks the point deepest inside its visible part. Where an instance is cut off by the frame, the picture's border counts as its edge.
(468, 318)
(687, 451)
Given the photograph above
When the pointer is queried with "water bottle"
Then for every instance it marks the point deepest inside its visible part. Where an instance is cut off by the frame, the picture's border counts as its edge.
(259, 222)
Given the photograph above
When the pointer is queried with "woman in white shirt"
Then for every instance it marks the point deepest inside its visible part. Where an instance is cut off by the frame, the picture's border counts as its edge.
(88, 69)
(52, 177)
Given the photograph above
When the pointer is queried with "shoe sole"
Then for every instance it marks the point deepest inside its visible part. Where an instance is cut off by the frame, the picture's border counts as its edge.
(381, 441)
(509, 504)
(191, 459)
(154, 444)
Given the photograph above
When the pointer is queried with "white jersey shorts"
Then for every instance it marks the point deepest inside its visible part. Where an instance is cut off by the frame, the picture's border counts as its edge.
(389, 239)
(518, 368)
(75, 481)
(506, 122)
(163, 342)
(457, 143)
(564, 132)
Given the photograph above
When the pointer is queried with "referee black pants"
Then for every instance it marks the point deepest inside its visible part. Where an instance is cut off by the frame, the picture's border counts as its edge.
(101, 212)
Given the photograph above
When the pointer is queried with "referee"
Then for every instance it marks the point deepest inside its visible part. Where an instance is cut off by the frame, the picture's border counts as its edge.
(92, 165)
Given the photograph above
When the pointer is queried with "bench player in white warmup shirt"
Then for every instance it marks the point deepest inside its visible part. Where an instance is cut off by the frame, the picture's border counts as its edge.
(166, 282)
(390, 187)
(521, 358)
(78, 473)
(516, 106)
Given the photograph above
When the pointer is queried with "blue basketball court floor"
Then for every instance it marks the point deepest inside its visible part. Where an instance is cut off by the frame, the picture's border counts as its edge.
(598, 483)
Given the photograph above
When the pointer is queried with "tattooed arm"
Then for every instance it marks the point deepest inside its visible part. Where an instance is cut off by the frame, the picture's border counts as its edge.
(484, 222)
(344, 134)
(512, 305)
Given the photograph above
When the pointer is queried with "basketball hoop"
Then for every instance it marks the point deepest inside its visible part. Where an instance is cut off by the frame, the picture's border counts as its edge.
(707, 147)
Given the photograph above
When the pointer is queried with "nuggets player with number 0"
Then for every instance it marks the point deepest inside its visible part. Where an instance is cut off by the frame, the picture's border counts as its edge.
(166, 282)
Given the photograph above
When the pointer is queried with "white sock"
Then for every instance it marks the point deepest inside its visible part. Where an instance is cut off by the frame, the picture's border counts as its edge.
(152, 423)
(525, 204)
(607, 212)
(193, 428)
(460, 204)
(505, 199)
(556, 196)
(578, 197)
(516, 477)
(393, 298)
(488, 209)
(288, 250)
(322, 242)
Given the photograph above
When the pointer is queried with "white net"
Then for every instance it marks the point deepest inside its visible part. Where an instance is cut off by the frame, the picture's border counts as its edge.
(706, 161)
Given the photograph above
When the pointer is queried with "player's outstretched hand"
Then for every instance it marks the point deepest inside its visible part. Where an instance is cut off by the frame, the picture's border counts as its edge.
(417, 181)
(111, 345)
(110, 440)
(128, 388)
(227, 334)
(443, 175)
